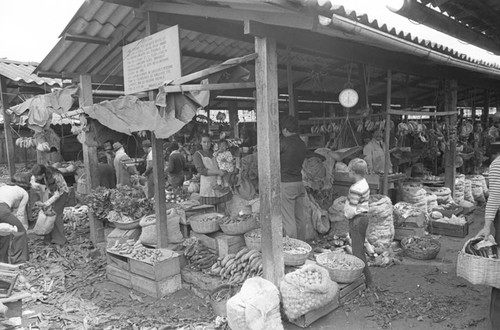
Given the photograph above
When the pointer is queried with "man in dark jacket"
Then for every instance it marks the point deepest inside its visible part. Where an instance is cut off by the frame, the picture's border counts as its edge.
(292, 154)
(176, 164)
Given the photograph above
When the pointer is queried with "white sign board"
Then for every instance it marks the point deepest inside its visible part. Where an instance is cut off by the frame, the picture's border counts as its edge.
(148, 62)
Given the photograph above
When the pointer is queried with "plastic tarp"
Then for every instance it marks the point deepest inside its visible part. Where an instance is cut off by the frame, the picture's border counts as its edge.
(128, 114)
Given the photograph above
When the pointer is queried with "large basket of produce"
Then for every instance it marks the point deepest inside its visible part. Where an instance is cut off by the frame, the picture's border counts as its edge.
(219, 296)
(420, 248)
(205, 223)
(122, 221)
(253, 239)
(238, 225)
(478, 262)
(343, 268)
(295, 251)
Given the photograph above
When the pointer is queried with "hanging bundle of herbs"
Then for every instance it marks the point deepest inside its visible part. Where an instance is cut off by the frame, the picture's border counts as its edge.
(131, 202)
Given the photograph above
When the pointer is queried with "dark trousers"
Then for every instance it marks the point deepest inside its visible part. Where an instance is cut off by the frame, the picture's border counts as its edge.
(357, 231)
(56, 236)
(495, 293)
(14, 247)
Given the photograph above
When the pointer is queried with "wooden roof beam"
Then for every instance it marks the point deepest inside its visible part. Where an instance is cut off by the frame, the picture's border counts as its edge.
(126, 3)
(96, 79)
(415, 11)
(86, 39)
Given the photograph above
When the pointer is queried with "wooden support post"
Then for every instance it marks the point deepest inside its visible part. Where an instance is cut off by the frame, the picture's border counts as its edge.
(233, 117)
(363, 91)
(158, 163)
(486, 109)
(387, 133)
(9, 142)
(90, 161)
(473, 113)
(292, 109)
(450, 104)
(266, 77)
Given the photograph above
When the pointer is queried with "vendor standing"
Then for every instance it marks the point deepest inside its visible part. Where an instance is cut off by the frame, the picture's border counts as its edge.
(176, 164)
(13, 203)
(207, 168)
(47, 178)
(292, 154)
(374, 153)
(148, 173)
(122, 171)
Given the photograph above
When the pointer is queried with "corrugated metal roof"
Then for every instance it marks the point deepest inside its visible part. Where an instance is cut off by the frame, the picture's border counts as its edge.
(23, 72)
(201, 48)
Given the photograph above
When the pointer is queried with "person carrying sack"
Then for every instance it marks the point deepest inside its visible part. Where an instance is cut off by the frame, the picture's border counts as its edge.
(47, 177)
(14, 244)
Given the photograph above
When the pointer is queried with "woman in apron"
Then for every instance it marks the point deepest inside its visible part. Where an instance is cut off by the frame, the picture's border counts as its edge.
(48, 178)
(207, 168)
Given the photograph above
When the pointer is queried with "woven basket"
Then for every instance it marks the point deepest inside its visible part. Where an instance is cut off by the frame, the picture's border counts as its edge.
(478, 270)
(219, 307)
(297, 259)
(127, 225)
(251, 242)
(205, 227)
(239, 228)
(421, 255)
(341, 275)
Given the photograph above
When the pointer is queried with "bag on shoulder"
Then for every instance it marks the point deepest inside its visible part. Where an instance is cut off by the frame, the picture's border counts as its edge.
(45, 222)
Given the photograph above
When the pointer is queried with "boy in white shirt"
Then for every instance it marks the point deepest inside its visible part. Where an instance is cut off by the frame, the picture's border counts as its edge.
(356, 211)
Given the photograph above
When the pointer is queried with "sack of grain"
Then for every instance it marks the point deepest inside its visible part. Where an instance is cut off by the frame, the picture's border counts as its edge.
(468, 191)
(306, 289)
(380, 231)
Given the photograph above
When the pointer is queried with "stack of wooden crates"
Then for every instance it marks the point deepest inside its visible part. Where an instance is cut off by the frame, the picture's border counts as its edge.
(155, 280)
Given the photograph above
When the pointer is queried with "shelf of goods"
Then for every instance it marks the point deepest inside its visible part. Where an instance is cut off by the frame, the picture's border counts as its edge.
(154, 272)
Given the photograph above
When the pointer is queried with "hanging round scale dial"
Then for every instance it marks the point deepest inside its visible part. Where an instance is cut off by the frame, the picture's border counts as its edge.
(348, 98)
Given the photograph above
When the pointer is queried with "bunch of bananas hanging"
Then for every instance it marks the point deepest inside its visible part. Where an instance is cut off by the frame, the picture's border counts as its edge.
(25, 142)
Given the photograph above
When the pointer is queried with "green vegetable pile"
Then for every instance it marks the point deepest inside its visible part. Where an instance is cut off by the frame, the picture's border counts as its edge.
(131, 202)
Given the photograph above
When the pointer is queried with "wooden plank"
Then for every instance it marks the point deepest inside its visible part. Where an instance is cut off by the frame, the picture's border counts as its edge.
(353, 293)
(9, 142)
(422, 113)
(118, 276)
(292, 109)
(96, 229)
(448, 229)
(233, 117)
(158, 163)
(89, 153)
(227, 244)
(162, 269)
(117, 261)
(86, 39)
(387, 155)
(450, 105)
(314, 315)
(346, 289)
(156, 289)
(208, 87)
(266, 75)
(217, 68)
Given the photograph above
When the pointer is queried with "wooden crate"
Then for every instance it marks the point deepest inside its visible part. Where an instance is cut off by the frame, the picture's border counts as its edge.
(347, 291)
(117, 261)
(402, 232)
(122, 235)
(119, 276)
(156, 289)
(167, 266)
(198, 210)
(447, 229)
(221, 243)
(314, 315)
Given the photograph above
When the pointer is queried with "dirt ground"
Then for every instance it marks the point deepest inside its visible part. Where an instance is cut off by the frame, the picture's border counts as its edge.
(413, 295)
(70, 291)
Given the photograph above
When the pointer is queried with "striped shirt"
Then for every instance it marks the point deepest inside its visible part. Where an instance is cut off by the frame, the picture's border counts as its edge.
(357, 199)
(493, 203)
